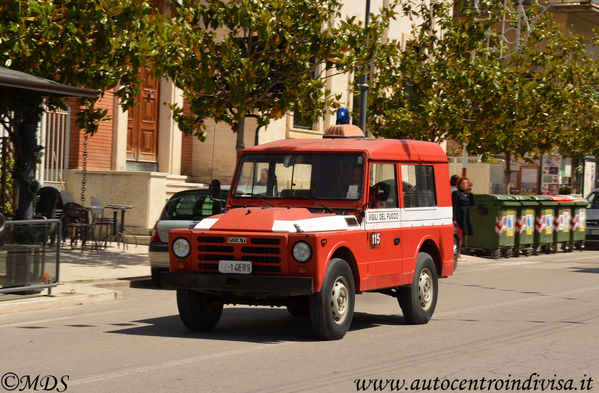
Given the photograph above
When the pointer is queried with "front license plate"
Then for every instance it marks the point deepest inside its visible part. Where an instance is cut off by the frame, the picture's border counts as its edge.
(594, 231)
(237, 267)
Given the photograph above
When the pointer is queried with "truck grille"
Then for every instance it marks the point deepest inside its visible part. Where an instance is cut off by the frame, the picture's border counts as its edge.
(265, 253)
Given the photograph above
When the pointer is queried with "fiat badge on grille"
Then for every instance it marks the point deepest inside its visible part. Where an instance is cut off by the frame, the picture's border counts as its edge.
(237, 240)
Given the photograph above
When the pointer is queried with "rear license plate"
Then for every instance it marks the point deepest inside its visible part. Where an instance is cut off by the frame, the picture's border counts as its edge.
(594, 231)
(237, 267)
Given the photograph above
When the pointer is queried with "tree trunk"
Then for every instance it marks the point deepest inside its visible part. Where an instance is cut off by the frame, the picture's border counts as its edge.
(574, 175)
(506, 173)
(25, 166)
(240, 128)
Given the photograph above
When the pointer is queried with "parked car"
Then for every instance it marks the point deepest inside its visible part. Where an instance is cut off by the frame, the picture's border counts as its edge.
(182, 210)
(592, 223)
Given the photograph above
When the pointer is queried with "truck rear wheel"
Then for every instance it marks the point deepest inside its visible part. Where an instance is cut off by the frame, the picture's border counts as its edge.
(418, 301)
(198, 311)
(332, 309)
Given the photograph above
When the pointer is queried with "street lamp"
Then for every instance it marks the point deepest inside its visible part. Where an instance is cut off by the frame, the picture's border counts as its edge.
(364, 81)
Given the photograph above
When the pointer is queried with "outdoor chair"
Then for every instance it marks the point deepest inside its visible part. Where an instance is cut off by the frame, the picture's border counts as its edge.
(103, 226)
(49, 206)
(66, 197)
(49, 203)
(77, 225)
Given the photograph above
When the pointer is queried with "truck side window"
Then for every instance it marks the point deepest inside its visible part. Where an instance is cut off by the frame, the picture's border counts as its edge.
(383, 186)
(418, 183)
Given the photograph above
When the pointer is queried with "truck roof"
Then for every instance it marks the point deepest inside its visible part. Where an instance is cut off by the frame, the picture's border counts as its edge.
(378, 149)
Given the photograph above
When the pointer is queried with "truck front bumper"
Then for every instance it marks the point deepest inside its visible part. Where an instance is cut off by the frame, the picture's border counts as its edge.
(239, 284)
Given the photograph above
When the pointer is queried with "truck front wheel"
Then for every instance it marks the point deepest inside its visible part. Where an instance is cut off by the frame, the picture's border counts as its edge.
(418, 301)
(332, 309)
(198, 311)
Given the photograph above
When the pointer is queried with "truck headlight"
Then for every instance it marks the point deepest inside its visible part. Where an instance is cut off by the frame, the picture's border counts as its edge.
(181, 247)
(302, 252)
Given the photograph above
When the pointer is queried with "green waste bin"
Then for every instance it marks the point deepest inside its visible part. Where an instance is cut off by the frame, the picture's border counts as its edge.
(561, 223)
(493, 219)
(578, 222)
(525, 223)
(544, 216)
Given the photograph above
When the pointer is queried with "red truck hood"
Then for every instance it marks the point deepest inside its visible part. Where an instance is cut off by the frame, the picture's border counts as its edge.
(277, 219)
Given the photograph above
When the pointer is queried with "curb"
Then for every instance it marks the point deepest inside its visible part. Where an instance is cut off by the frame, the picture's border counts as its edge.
(64, 295)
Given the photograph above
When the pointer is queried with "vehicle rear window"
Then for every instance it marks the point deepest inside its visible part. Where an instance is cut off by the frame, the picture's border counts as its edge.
(188, 206)
(593, 200)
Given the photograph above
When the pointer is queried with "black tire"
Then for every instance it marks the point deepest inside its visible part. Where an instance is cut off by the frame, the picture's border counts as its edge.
(198, 311)
(332, 309)
(506, 252)
(495, 253)
(418, 301)
(299, 307)
(546, 248)
(156, 276)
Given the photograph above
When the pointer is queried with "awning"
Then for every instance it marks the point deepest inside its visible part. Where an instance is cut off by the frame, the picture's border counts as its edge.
(21, 80)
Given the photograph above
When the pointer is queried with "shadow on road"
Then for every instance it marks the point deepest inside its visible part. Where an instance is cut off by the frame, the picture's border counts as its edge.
(145, 283)
(257, 325)
(585, 270)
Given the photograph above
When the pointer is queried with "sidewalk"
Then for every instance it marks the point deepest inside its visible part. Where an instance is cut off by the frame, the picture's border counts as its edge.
(84, 277)
(90, 277)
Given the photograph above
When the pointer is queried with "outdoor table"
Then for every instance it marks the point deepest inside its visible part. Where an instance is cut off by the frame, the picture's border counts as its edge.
(118, 231)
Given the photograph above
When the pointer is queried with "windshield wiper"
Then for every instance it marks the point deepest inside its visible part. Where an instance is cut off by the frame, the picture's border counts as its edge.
(256, 196)
(316, 201)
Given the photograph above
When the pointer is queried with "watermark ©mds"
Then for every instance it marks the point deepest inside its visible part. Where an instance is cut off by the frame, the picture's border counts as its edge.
(533, 382)
(13, 382)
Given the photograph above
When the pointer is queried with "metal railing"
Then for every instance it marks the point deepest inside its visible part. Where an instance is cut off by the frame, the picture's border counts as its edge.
(29, 255)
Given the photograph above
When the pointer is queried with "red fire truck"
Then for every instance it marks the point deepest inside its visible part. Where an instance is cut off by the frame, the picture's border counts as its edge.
(310, 223)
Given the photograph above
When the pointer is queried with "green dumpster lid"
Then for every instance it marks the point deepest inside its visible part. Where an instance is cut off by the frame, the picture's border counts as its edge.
(544, 200)
(521, 197)
(505, 200)
(525, 200)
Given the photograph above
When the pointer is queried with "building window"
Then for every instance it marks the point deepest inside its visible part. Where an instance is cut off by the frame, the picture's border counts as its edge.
(302, 120)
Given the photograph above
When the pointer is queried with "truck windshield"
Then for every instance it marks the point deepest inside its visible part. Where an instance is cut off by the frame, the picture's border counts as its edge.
(285, 176)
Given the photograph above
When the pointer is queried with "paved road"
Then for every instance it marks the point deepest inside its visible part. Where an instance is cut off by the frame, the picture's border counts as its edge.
(503, 319)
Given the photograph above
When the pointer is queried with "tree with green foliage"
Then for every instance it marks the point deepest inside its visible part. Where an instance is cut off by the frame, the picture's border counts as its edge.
(97, 44)
(460, 79)
(255, 58)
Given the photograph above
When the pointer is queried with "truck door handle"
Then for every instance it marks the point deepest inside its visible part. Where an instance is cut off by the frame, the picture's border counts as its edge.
(396, 241)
